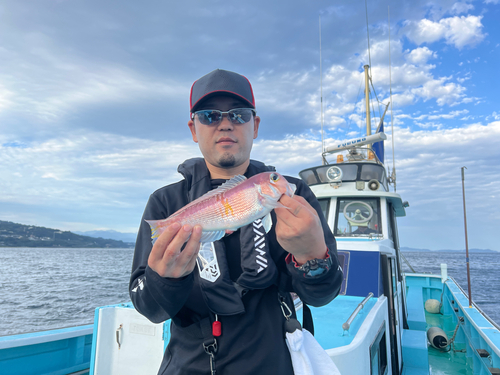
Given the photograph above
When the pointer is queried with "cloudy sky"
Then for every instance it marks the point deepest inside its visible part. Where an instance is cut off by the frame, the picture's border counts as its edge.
(94, 101)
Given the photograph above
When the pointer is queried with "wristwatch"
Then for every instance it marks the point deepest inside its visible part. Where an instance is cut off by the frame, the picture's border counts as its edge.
(314, 267)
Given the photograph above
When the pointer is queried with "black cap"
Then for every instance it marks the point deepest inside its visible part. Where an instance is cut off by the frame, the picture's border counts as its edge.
(221, 82)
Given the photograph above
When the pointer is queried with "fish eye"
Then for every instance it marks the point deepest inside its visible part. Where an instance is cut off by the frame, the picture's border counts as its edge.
(274, 177)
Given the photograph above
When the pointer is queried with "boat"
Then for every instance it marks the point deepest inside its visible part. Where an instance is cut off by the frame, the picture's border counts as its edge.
(385, 321)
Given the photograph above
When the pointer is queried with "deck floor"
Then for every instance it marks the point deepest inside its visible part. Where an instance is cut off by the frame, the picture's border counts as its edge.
(446, 363)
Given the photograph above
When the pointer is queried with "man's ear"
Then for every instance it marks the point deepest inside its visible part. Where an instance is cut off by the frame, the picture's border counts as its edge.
(193, 130)
(256, 122)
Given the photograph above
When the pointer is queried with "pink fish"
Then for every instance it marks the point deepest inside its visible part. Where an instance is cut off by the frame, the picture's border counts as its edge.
(234, 204)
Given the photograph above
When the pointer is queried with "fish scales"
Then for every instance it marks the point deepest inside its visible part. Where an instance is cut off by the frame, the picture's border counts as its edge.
(234, 204)
(234, 208)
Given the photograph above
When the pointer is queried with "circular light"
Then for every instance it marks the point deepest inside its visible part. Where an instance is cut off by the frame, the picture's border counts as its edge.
(334, 174)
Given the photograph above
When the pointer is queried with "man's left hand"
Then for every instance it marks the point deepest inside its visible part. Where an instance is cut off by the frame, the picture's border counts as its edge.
(299, 230)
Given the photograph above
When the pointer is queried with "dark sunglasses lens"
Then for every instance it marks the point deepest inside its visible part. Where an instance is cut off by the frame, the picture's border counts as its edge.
(209, 117)
(240, 116)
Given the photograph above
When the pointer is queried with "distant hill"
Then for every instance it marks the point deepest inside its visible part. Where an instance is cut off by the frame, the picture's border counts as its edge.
(112, 234)
(20, 235)
(403, 248)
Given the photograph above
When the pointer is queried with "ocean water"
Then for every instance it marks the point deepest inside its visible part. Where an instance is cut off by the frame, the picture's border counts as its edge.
(484, 274)
(43, 289)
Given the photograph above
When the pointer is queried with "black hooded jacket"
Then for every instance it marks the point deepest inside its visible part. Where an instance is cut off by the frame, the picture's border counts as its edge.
(251, 342)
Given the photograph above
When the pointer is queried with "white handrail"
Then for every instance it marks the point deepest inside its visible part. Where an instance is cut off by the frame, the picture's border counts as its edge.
(348, 323)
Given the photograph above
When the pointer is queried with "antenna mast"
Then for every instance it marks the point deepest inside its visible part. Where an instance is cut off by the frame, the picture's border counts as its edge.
(367, 82)
(321, 92)
(367, 100)
(393, 175)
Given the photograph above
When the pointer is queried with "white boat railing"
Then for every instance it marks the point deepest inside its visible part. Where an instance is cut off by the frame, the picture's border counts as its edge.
(349, 321)
(493, 323)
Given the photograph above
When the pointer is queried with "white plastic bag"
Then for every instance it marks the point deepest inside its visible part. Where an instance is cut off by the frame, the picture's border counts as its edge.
(308, 357)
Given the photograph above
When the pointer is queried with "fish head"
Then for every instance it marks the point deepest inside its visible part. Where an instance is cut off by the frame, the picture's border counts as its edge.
(273, 185)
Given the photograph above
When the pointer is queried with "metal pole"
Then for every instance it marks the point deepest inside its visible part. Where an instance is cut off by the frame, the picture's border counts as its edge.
(321, 93)
(466, 240)
(390, 94)
(367, 100)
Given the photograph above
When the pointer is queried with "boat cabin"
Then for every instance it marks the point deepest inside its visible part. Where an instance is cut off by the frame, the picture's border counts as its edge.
(361, 211)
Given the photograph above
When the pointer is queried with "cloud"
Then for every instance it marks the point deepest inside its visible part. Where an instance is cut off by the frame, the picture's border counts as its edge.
(421, 55)
(117, 174)
(457, 31)
(468, 76)
(448, 116)
(494, 116)
(445, 93)
(403, 99)
(92, 99)
(429, 125)
(461, 7)
(87, 169)
(54, 85)
(5, 98)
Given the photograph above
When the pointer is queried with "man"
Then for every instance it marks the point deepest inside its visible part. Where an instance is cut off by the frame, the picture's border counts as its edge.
(232, 322)
(364, 229)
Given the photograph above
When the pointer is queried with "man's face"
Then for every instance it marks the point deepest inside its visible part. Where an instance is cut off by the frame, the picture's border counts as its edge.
(225, 145)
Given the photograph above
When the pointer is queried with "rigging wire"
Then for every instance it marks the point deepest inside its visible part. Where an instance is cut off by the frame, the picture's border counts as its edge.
(393, 176)
(378, 101)
(321, 88)
(373, 109)
(368, 38)
(370, 63)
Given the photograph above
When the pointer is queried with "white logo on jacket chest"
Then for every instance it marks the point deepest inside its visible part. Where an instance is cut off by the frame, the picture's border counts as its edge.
(260, 244)
(208, 266)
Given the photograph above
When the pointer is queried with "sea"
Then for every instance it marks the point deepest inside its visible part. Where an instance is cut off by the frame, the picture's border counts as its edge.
(48, 288)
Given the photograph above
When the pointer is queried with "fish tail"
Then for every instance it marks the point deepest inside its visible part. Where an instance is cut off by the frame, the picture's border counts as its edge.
(157, 228)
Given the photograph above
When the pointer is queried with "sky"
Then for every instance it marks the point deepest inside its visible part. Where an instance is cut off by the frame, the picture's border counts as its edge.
(94, 101)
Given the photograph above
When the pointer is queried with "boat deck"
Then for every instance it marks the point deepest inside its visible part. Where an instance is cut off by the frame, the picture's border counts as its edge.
(459, 358)
(328, 320)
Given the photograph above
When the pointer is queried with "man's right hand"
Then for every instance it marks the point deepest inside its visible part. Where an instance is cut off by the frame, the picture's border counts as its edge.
(166, 257)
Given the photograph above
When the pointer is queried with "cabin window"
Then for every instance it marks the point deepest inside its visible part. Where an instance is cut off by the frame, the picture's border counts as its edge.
(358, 217)
(394, 269)
(309, 177)
(349, 172)
(393, 226)
(325, 206)
(394, 230)
(389, 224)
(378, 354)
(370, 172)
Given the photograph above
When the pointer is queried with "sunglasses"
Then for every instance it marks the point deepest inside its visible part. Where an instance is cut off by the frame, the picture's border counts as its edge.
(214, 116)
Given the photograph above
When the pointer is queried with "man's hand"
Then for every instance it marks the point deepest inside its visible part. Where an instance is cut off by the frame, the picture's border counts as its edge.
(166, 257)
(299, 230)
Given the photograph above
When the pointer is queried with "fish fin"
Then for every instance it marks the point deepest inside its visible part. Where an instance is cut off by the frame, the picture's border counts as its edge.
(272, 203)
(229, 184)
(280, 205)
(157, 228)
(269, 200)
(212, 236)
(267, 222)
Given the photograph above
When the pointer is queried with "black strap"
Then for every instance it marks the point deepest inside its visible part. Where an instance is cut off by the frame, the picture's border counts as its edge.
(284, 284)
(307, 319)
(209, 343)
(206, 331)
